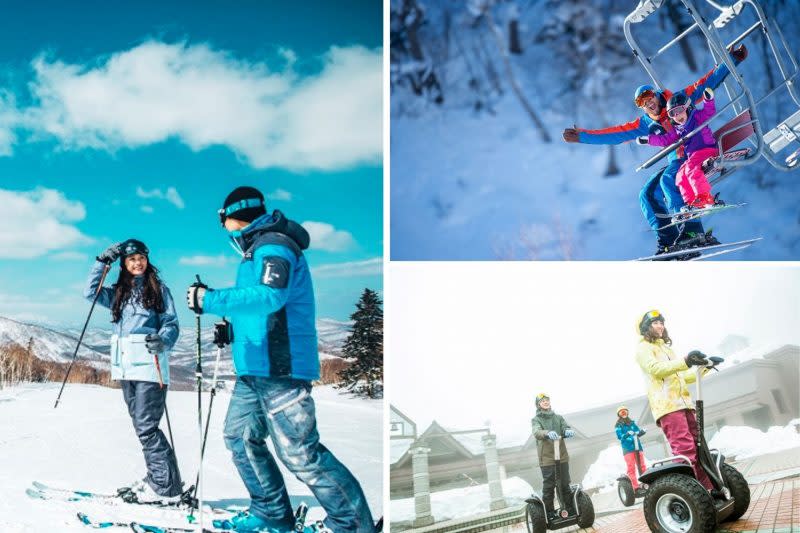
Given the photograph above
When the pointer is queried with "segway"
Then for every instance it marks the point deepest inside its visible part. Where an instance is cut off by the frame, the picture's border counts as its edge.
(536, 516)
(676, 502)
(627, 494)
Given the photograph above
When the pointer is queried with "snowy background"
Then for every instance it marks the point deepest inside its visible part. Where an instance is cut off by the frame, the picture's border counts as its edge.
(88, 443)
(472, 176)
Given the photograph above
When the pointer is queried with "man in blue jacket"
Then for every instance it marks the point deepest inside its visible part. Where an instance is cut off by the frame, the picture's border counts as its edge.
(275, 357)
(660, 194)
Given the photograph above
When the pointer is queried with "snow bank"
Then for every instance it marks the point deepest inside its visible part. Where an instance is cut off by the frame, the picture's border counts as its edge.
(742, 442)
(461, 503)
(603, 473)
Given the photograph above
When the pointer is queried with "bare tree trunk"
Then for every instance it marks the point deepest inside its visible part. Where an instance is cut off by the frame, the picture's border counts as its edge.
(537, 122)
(612, 169)
(514, 45)
(675, 17)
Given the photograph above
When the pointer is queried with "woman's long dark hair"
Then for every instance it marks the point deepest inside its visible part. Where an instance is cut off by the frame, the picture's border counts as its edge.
(650, 337)
(149, 298)
(623, 421)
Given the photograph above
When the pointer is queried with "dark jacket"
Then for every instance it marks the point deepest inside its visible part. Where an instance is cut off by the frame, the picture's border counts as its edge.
(543, 423)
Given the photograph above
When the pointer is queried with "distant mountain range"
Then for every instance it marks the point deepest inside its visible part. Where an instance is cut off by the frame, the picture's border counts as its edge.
(58, 344)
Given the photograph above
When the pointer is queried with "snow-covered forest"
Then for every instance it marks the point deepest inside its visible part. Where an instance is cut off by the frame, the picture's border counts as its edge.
(481, 91)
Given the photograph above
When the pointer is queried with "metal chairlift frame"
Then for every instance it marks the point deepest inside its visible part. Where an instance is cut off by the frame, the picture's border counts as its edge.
(765, 145)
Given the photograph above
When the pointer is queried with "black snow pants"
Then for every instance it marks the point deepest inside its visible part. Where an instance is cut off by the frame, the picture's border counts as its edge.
(549, 487)
(146, 403)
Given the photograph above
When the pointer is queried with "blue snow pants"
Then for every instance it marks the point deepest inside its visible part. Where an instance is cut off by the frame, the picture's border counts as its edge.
(146, 403)
(660, 195)
(283, 410)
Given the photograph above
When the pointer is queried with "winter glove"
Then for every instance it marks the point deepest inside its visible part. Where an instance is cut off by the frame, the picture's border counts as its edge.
(642, 140)
(696, 358)
(154, 342)
(552, 435)
(708, 93)
(571, 135)
(631, 433)
(195, 295)
(642, 432)
(739, 54)
(569, 433)
(110, 254)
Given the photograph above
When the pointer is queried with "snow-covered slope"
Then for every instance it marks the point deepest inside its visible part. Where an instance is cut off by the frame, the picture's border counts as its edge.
(89, 443)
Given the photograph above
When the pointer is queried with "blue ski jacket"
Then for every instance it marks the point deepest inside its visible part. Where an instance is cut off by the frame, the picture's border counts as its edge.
(271, 307)
(130, 359)
(627, 440)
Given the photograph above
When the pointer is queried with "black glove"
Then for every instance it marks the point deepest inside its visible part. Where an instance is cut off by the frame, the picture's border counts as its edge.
(195, 295)
(642, 140)
(110, 254)
(696, 358)
(642, 432)
(740, 53)
(154, 342)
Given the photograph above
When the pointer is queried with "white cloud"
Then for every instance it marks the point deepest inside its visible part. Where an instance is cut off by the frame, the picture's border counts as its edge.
(326, 237)
(208, 260)
(280, 195)
(147, 209)
(70, 256)
(38, 222)
(9, 119)
(367, 267)
(205, 97)
(171, 195)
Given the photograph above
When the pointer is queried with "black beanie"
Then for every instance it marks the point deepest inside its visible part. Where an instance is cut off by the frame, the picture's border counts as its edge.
(243, 212)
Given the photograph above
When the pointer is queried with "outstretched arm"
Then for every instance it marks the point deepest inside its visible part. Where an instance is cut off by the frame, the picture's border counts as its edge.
(714, 77)
(618, 134)
(663, 140)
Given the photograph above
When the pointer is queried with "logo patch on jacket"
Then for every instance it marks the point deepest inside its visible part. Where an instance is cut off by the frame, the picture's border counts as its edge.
(275, 272)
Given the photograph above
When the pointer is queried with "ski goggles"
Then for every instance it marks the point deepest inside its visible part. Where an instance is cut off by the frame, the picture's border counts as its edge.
(238, 206)
(675, 111)
(643, 98)
(542, 396)
(653, 315)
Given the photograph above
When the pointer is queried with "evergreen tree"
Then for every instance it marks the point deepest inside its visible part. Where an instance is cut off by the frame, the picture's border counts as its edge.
(363, 349)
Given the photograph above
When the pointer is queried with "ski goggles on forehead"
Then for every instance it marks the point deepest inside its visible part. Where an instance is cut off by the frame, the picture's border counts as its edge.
(677, 110)
(643, 98)
(237, 206)
(653, 315)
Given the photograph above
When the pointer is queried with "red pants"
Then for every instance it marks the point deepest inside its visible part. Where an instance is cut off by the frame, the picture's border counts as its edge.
(691, 180)
(630, 460)
(680, 428)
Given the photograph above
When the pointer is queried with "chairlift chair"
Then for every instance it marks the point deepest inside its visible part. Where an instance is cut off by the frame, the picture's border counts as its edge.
(746, 124)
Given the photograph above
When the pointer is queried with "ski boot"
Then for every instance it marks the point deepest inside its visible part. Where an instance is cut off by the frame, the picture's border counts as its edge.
(688, 240)
(706, 201)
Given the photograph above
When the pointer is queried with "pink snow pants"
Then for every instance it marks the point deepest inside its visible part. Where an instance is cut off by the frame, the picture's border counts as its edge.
(630, 460)
(691, 180)
(680, 428)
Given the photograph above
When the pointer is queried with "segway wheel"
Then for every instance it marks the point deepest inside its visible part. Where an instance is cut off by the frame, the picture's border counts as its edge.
(740, 491)
(585, 510)
(625, 491)
(534, 517)
(676, 503)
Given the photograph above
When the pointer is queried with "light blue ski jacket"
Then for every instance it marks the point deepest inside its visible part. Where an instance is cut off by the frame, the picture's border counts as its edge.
(272, 305)
(130, 359)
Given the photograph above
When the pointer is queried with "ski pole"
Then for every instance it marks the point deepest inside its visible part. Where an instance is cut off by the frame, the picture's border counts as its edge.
(222, 336)
(106, 268)
(198, 372)
(166, 409)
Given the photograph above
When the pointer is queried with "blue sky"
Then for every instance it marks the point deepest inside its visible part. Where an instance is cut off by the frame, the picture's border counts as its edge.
(131, 119)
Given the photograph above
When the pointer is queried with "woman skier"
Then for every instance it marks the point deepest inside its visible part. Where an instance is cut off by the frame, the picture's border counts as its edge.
(691, 180)
(626, 430)
(667, 378)
(145, 327)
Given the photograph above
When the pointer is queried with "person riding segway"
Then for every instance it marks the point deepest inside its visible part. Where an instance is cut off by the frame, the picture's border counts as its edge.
(575, 506)
(628, 433)
(694, 490)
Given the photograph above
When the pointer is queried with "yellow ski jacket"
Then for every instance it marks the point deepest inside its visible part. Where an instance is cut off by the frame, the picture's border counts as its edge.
(667, 377)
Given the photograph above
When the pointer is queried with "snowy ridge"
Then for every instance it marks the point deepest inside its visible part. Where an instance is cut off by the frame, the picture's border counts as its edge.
(48, 344)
